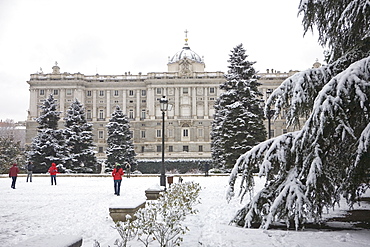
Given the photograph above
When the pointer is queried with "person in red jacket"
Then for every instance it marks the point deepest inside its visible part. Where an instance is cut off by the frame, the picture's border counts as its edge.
(117, 177)
(13, 173)
(53, 170)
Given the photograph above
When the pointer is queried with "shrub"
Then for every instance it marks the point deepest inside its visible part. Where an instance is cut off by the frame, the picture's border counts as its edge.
(161, 220)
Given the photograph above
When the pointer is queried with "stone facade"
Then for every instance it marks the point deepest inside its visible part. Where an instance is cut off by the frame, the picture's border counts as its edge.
(190, 90)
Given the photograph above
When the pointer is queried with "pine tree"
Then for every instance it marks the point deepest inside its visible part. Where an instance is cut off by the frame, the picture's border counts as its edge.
(238, 122)
(79, 140)
(308, 171)
(48, 146)
(120, 148)
(10, 152)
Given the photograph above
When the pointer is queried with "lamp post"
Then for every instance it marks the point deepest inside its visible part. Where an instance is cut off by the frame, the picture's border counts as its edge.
(270, 113)
(164, 107)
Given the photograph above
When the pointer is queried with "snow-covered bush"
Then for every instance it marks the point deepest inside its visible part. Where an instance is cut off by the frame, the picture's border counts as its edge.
(161, 220)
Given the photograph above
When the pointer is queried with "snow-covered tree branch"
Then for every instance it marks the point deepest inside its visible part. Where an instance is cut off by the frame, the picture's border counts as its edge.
(309, 170)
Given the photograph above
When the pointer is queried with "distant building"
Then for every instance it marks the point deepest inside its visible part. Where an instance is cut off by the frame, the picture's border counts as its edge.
(17, 131)
(189, 88)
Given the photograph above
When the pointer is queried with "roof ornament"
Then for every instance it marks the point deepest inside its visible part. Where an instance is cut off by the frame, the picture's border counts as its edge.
(186, 36)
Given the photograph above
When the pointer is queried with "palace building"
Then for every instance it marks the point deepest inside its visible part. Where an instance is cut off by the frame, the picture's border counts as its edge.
(190, 90)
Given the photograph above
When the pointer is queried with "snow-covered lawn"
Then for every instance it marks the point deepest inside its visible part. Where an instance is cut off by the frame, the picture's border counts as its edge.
(79, 206)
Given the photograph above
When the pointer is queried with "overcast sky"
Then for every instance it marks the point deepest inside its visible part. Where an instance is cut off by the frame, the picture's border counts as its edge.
(114, 37)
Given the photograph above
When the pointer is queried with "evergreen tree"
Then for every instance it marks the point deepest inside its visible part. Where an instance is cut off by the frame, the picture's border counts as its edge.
(10, 152)
(48, 146)
(79, 140)
(308, 171)
(120, 148)
(238, 121)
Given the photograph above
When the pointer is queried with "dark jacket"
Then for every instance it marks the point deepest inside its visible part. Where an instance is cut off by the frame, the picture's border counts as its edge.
(30, 166)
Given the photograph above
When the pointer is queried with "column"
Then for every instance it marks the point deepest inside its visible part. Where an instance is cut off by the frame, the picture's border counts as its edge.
(137, 114)
(33, 104)
(177, 102)
(94, 106)
(124, 99)
(194, 102)
(108, 104)
(62, 100)
(206, 108)
(150, 103)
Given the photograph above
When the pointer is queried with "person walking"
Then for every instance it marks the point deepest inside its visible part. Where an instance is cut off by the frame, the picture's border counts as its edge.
(29, 171)
(128, 169)
(206, 169)
(13, 173)
(53, 170)
(117, 177)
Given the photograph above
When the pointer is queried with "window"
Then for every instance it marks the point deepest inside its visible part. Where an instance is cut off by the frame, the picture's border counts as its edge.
(159, 148)
(69, 92)
(143, 92)
(116, 93)
(100, 149)
(185, 90)
(170, 148)
(88, 114)
(185, 148)
(211, 90)
(142, 149)
(200, 148)
(101, 134)
(101, 114)
(131, 114)
(170, 132)
(185, 132)
(143, 114)
(131, 92)
(200, 132)
(42, 92)
(56, 92)
(89, 93)
(159, 91)
(143, 134)
(116, 102)
(101, 93)
(159, 133)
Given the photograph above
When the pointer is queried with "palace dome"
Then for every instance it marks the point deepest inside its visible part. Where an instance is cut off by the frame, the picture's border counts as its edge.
(186, 52)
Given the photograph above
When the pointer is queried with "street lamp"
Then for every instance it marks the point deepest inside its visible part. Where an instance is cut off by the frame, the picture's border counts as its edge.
(164, 107)
(269, 113)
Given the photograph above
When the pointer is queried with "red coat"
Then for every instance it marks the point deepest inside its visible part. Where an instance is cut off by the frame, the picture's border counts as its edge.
(13, 172)
(117, 175)
(53, 170)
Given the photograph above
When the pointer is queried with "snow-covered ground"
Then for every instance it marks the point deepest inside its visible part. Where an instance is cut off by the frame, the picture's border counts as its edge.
(79, 206)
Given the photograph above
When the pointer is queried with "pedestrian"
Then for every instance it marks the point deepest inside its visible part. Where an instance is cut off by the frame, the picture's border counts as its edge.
(53, 170)
(117, 177)
(29, 171)
(13, 173)
(206, 168)
(128, 169)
